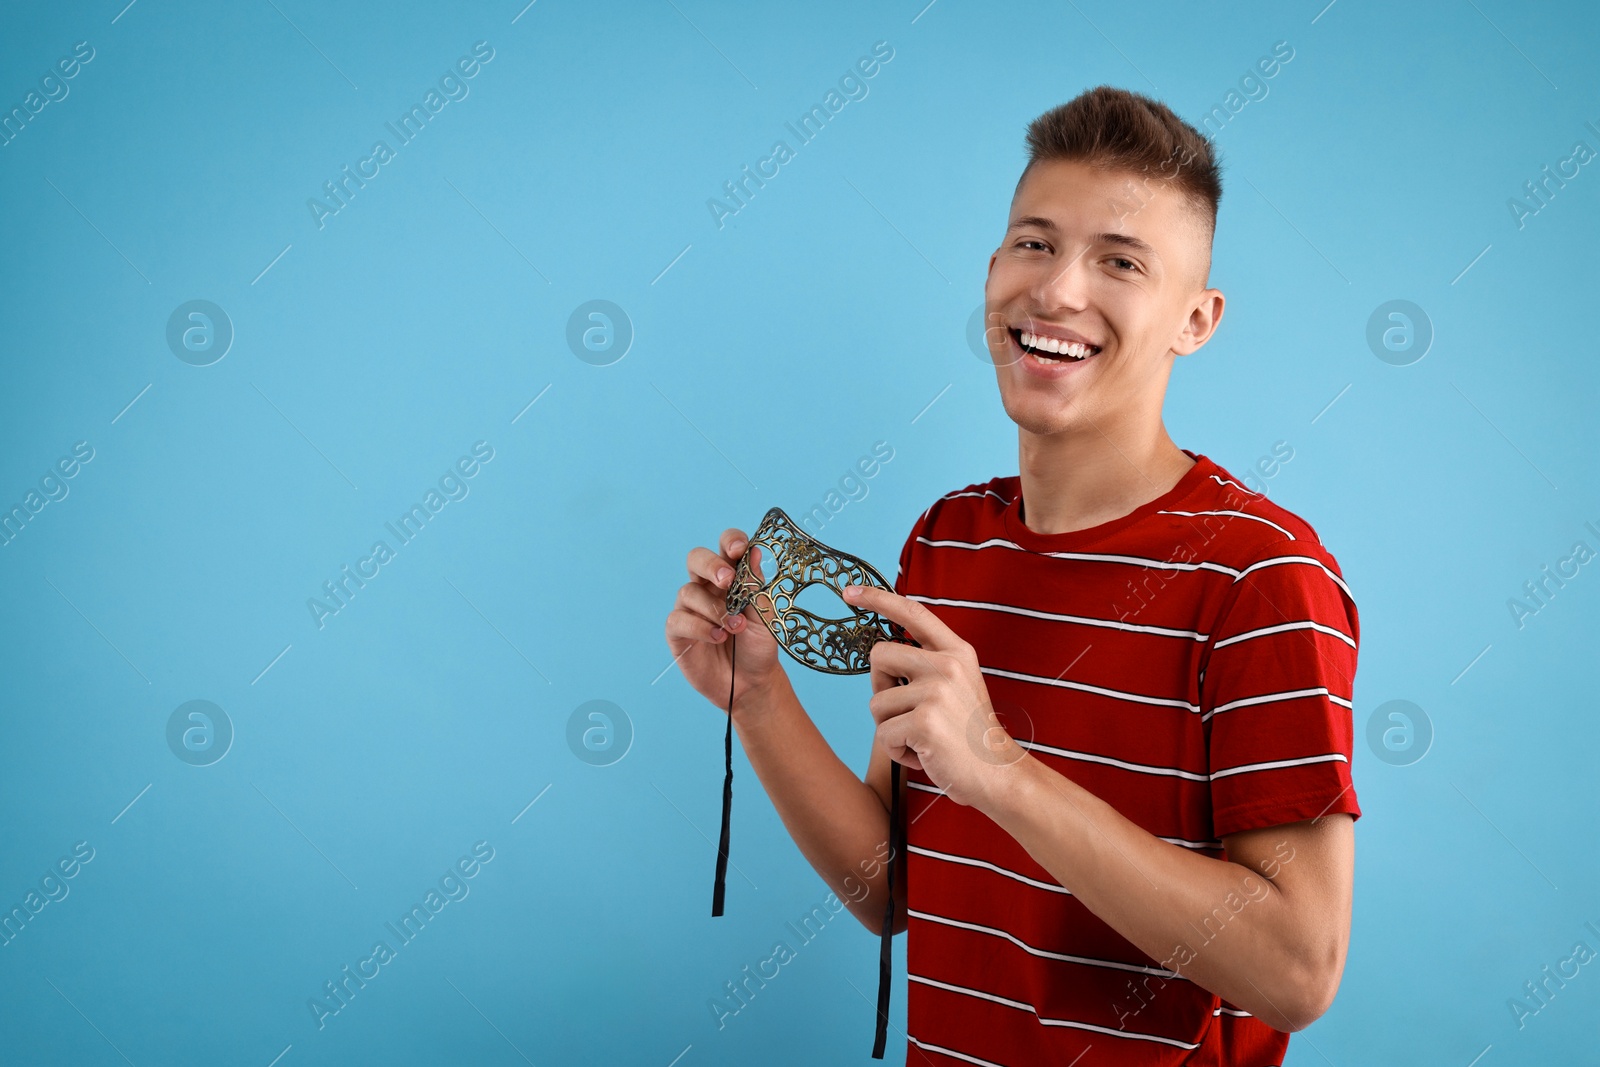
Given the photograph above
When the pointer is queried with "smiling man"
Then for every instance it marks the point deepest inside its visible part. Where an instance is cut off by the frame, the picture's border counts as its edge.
(1126, 734)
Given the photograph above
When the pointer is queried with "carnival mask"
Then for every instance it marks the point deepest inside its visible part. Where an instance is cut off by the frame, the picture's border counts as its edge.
(833, 645)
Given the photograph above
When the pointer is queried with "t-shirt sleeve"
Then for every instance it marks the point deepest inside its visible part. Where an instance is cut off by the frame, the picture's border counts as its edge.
(1276, 690)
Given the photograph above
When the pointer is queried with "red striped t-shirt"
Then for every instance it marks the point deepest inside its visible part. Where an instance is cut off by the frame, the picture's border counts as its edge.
(1191, 664)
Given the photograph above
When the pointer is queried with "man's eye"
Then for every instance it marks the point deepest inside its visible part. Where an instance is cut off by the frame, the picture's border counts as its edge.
(1131, 264)
(1031, 241)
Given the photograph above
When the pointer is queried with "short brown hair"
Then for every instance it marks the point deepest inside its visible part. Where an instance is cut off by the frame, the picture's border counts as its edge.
(1115, 129)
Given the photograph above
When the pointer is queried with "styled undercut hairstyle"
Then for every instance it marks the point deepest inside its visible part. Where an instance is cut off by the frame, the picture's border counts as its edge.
(1114, 129)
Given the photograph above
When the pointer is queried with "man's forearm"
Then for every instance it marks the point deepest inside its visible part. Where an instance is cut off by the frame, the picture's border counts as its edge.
(837, 820)
(1216, 922)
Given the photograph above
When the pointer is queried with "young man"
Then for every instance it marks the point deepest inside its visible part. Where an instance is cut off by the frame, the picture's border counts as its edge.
(1126, 736)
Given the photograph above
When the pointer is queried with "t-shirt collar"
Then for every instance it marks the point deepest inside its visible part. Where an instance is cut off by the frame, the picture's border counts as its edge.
(1018, 531)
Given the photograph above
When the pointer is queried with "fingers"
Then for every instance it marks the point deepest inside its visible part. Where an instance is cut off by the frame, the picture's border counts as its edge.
(734, 545)
(700, 612)
(927, 628)
(895, 700)
(881, 680)
(893, 660)
(709, 605)
(686, 625)
(717, 569)
(732, 542)
(706, 566)
(891, 735)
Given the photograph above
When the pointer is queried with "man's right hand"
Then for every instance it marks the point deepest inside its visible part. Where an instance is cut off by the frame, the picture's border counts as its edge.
(698, 626)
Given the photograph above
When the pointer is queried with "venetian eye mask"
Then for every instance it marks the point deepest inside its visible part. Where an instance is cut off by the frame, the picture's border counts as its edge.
(834, 645)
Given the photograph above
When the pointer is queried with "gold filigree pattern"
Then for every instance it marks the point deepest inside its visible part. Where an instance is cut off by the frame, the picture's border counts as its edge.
(834, 646)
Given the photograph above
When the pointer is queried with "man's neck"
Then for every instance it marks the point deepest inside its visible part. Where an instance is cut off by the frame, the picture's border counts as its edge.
(1076, 482)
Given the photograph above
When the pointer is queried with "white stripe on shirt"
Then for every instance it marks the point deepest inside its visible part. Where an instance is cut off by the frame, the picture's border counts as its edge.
(950, 1052)
(1185, 843)
(1269, 698)
(1236, 485)
(969, 861)
(1282, 627)
(986, 492)
(1174, 1042)
(1175, 772)
(1160, 631)
(1093, 557)
(1237, 514)
(1270, 764)
(1090, 757)
(1274, 561)
(1137, 698)
(1087, 961)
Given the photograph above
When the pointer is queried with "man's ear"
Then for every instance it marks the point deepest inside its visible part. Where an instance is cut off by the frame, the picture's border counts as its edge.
(1205, 315)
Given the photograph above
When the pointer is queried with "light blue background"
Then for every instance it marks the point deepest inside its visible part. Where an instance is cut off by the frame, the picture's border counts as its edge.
(768, 356)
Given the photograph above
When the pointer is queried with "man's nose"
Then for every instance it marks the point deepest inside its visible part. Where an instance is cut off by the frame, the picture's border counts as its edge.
(1064, 283)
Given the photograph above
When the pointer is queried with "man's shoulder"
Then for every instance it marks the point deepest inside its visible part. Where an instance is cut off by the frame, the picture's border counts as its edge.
(1253, 527)
(968, 517)
(972, 500)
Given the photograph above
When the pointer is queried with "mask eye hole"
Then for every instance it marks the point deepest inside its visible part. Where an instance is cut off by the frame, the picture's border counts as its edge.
(820, 600)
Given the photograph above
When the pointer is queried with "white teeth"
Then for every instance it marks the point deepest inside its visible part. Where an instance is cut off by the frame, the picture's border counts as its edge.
(1071, 349)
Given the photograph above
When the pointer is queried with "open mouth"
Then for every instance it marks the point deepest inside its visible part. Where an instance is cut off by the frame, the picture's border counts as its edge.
(1050, 350)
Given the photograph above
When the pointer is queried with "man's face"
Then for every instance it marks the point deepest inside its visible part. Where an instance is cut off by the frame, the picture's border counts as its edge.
(1103, 257)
